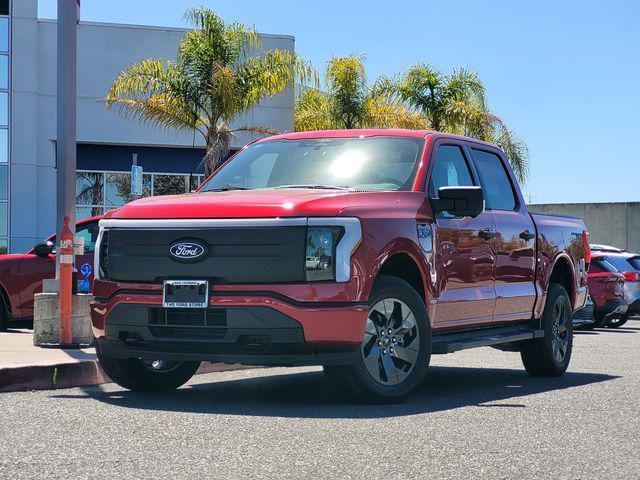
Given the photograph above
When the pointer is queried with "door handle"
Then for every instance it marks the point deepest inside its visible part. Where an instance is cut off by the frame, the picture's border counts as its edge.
(527, 235)
(487, 233)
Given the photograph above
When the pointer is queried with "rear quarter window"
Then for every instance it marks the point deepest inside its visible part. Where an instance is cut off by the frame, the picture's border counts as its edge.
(620, 263)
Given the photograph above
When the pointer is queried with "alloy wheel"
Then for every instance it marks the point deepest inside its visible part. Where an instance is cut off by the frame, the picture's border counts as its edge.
(160, 366)
(560, 332)
(391, 341)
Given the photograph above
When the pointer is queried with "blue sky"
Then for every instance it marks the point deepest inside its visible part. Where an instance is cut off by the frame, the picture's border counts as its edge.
(565, 75)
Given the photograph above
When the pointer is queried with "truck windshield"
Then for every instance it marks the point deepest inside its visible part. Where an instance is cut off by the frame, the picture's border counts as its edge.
(373, 163)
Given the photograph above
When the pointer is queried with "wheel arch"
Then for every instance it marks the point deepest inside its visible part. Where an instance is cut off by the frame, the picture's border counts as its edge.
(563, 274)
(404, 265)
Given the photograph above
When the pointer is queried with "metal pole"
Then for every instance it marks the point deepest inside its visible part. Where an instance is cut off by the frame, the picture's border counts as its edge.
(66, 145)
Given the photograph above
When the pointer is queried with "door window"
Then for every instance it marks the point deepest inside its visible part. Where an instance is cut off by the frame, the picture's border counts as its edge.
(90, 234)
(496, 185)
(450, 169)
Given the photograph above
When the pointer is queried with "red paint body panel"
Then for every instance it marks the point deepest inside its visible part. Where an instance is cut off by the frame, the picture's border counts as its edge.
(605, 286)
(21, 275)
(325, 326)
(468, 282)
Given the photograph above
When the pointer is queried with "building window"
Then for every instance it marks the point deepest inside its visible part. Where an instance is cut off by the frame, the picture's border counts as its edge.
(4, 183)
(4, 72)
(4, 108)
(4, 7)
(4, 34)
(4, 219)
(4, 145)
(99, 192)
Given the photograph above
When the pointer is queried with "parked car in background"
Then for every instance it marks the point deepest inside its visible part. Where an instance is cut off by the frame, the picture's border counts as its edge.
(21, 275)
(425, 246)
(607, 292)
(605, 263)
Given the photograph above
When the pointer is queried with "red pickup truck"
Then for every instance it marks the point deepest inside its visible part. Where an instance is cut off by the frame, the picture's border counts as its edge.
(364, 251)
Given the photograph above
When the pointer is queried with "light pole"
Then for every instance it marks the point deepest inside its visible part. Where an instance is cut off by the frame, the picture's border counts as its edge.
(66, 152)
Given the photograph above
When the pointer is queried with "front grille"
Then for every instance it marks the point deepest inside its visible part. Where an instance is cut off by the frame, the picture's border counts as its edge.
(201, 317)
(234, 254)
(199, 333)
(104, 253)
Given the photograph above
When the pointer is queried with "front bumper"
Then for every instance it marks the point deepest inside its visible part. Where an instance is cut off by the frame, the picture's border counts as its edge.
(254, 329)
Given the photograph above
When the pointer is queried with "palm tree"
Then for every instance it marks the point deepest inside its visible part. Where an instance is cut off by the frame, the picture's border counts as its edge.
(456, 103)
(348, 102)
(213, 81)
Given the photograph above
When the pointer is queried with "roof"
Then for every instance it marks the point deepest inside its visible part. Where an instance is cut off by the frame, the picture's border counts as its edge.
(605, 248)
(365, 132)
(372, 132)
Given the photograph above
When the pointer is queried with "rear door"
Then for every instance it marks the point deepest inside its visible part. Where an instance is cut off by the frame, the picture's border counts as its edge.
(464, 257)
(516, 236)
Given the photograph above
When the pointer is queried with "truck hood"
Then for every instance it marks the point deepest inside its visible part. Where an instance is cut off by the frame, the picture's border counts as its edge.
(265, 203)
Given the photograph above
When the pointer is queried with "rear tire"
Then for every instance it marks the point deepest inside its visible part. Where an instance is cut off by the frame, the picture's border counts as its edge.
(396, 348)
(3, 317)
(550, 355)
(151, 376)
(617, 322)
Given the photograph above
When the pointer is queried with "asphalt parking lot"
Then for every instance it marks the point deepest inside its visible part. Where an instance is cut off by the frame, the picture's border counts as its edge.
(477, 416)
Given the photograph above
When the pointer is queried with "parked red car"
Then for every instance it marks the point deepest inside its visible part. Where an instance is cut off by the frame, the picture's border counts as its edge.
(607, 292)
(21, 275)
(364, 251)
(608, 262)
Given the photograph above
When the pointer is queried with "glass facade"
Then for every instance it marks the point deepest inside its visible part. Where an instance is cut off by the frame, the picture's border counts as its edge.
(97, 192)
(5, 102)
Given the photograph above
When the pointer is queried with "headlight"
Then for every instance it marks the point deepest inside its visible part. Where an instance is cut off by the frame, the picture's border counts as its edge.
(320, 260)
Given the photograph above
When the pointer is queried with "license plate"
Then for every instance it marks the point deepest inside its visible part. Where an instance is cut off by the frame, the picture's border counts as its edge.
(185, 294)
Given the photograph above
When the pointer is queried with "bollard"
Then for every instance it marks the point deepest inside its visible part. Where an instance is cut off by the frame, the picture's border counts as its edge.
(66, 278)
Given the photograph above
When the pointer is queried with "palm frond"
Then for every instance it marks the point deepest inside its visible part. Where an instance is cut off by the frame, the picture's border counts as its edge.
(272, 73)
(312, 111)
(383, 114)
(153, 93)
(465, 85)
(514, 148)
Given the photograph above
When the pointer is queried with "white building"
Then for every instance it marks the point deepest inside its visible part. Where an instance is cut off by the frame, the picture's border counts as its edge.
(106, 141)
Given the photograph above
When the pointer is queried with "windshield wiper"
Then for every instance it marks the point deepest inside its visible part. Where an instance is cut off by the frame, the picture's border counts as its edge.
(227, 186)
(320, 187)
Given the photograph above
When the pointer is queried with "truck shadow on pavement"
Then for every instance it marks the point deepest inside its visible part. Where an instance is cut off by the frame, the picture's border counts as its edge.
(309, 395)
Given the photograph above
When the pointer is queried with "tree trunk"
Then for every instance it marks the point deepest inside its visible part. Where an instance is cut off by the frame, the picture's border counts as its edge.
(218, 141)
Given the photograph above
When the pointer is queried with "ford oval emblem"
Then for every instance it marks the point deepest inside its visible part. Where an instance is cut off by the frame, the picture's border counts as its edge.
(187, 250)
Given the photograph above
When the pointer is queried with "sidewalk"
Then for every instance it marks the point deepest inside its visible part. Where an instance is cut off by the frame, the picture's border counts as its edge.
(25, 367)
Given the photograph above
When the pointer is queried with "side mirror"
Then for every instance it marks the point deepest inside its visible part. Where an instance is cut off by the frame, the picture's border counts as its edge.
(459, 201)
(45, 248)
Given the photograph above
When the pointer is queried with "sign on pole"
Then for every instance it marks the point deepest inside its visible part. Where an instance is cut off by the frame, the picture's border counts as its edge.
(136, 180)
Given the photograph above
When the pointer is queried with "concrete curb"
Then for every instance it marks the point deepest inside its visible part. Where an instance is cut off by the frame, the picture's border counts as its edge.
(72, 374)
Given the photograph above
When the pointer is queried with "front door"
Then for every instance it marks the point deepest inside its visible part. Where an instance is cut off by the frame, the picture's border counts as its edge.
(34, 269)
(464, 254)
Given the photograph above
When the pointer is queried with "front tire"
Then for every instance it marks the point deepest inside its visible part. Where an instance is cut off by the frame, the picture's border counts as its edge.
(396, 347)
(151, 376)
(550, 355)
